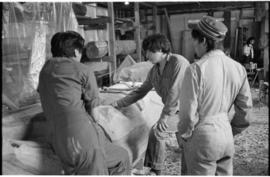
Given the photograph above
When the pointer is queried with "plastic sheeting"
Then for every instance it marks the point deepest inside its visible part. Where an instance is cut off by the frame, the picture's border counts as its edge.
(129, 70)
(26, 34)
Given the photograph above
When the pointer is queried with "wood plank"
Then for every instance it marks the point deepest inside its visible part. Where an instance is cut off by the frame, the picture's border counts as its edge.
(92, 21)
(138, 31)
(95, 27)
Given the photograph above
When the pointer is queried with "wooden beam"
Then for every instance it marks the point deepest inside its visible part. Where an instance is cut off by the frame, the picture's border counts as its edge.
(207, 6)
(147, 4)
(138, 30)
(112, 52)
(188, 8)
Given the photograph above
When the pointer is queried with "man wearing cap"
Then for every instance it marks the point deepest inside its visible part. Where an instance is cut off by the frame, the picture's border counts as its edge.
(212, 85)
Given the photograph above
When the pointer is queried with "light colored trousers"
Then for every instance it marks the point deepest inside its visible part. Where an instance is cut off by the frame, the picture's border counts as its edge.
(210, 149)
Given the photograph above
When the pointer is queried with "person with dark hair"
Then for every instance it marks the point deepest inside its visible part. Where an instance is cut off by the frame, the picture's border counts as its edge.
(166, 77)
(248, 51)
(68, 93)
(210, 88)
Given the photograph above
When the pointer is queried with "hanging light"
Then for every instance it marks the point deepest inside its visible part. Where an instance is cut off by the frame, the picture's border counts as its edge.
(126, 3)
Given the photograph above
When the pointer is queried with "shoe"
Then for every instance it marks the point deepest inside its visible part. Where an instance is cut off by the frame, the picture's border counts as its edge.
(154, 172)
(145, 171)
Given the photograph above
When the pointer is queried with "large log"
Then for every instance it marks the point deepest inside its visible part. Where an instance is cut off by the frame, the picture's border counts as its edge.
(98, 49)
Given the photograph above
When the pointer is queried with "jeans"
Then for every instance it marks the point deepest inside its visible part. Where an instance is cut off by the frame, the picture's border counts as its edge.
(155, 152)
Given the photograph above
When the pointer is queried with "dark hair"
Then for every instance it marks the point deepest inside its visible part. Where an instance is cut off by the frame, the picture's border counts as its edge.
(250, 39)
(211, 44)
(156, 42)
(63, 44)
(55, 49)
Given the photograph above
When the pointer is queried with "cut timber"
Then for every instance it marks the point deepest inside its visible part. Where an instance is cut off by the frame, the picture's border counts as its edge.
(98, 49)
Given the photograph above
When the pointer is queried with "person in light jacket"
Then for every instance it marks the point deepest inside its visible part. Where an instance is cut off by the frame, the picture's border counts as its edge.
(210, 88)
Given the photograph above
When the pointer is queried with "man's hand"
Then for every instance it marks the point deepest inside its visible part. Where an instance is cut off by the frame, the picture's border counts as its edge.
(162, 124)
(114, 104)
(180, 140)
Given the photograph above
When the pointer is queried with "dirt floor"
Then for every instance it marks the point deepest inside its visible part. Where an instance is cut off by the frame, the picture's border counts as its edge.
(251, 146)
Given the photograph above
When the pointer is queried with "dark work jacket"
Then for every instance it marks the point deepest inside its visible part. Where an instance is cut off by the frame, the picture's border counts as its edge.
(68, 91)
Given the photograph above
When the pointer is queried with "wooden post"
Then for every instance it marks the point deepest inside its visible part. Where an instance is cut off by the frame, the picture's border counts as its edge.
(227, 22)
(138, 31)
(155, 19)
(169, 27)
(111, 33)
(146, 21)
(237, 36)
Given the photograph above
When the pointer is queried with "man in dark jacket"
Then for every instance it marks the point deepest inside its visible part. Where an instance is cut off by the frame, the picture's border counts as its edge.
(68, 93)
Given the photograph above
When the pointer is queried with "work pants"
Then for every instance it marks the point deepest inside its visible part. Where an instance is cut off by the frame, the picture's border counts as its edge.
(155, 152)
(156, 148)
(84, 149)
(210, 149)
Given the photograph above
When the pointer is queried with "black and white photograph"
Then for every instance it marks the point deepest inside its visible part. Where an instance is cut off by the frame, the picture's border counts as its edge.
(135, 88)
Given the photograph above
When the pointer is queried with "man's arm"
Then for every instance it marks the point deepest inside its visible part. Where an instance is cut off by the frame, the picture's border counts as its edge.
(242, 105)
(188, 102)
(171, 103)
(90, 92)
(136, 94)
